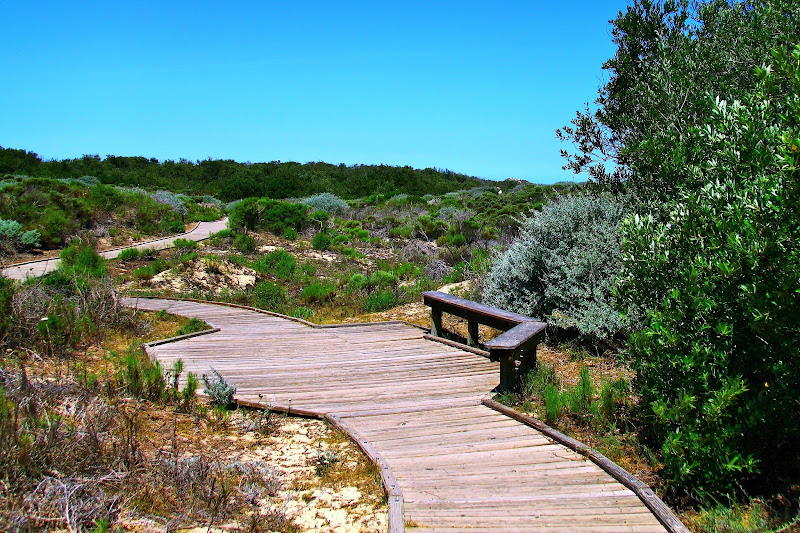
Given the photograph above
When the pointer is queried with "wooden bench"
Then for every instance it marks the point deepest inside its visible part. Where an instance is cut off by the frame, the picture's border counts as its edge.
(519, 342)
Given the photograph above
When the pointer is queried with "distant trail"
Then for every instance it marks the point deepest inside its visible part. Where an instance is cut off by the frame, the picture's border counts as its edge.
(415, 406)
(40, 267)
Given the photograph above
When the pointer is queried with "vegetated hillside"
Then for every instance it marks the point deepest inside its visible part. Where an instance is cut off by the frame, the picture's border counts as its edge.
(230, 180)
(59, 209)
(96, 436)
(328, 259)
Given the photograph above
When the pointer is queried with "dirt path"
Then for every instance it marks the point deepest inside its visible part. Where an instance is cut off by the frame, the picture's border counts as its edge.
(33, 269)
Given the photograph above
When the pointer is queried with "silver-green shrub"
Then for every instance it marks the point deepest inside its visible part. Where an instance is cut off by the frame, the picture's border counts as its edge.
(330, 203)
(13, 238)
(218, 389)
(563, 267)
(175, 201)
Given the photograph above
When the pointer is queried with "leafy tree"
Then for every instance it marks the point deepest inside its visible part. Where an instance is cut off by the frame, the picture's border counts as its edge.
(717, 359)
(671, 54)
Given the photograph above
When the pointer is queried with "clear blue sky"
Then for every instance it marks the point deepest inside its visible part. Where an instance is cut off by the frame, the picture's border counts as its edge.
(477, 87)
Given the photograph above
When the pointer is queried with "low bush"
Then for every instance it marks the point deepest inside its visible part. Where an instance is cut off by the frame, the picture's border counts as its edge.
(319, 291)
(267, 295)
(128, 254)
(267, 214)
(13, 237)
(327, 202)
(244, 242)
(564, 267)
(290, 234)
(184, 245)
(192, 326)
(321, 241)
(219, 390)
(279, 263)
(381, 300)
(383, 278)
(83, 260)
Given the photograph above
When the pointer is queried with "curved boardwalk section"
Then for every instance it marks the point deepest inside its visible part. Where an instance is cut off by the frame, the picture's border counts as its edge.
(460, 465)
(33, 269)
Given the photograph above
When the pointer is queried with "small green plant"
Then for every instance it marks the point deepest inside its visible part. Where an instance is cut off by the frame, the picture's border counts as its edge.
(184, 245)
(321, 241)
(188, 395)
(128, 254)
(302, 312)
(267, 295)
(319, 291)
(381, 300)
(82, 259)
(280, 263)
(218, 389)
(553, 404)
(192, 326)
(326, 459)
(244, 242)
(357, 282)
(383, 278)
(290, 234)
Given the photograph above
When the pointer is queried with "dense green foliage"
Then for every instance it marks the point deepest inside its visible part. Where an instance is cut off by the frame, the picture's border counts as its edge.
(706, 142)
(563, 267)
(717, 359)
(267, 214)
(670, 55)
(230, 180)
(61, 209)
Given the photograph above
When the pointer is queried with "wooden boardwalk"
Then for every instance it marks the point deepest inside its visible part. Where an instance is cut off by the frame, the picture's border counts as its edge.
(40, 267)
(459, 465)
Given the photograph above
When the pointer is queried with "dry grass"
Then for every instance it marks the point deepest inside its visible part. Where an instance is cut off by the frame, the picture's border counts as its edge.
(77, 452)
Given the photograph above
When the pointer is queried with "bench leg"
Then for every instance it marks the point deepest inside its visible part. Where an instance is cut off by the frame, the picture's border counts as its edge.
(472, 333)
(527, 362)
(508, 375)
(436, 322)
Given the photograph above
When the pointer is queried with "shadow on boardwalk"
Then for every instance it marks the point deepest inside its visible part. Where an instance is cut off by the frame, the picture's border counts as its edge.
(417, 404)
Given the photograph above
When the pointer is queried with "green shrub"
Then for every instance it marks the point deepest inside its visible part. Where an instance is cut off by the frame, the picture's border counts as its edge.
(280, 263)
(189, 393)
(148, 271)
(319, 291)
(290, 234)
(563, 267)
(244, 242)
(267, 214)
(141, 376)
(128, 254)
(321, 241)
(82, 259)
(269, 296)
(381, 300)
(383, 278)
(192, 326)
(184, 245)
(217, 238)
(716, 358)
(357, 282)
(553, 404)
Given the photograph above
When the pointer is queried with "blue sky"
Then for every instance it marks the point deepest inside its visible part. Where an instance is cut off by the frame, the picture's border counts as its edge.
(476, 87)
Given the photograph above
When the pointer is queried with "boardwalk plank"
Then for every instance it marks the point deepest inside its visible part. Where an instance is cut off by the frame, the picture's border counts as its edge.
(416, 404)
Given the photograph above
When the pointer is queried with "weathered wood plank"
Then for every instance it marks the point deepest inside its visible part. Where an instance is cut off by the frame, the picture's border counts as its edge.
(414, 407)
